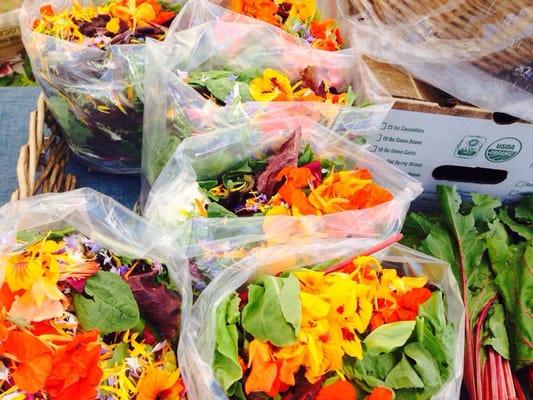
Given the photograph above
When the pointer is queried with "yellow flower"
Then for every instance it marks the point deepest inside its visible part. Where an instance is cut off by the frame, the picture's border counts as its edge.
(303, 10)
(272, 86)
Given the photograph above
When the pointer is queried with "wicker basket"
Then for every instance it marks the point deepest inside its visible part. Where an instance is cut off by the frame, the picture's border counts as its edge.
(41, 162)
(467, 20)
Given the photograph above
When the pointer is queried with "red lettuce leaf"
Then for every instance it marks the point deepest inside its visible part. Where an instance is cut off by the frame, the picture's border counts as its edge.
(158, 304)
(287, 155)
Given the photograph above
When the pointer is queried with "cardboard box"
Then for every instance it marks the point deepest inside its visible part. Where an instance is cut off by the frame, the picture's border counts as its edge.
(10, 39)
(437, 139)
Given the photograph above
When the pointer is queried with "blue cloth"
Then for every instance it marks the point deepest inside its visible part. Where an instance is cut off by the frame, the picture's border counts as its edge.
(16, 104)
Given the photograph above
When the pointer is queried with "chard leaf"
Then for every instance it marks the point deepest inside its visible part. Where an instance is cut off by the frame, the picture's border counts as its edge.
(416, 228)
(524, 210)
(388, 337)
(498, 338)
(107, 304)
(484, 209)
(273, 311)
(513, 267)
(523, 230)
(403, 376)
(226, 365)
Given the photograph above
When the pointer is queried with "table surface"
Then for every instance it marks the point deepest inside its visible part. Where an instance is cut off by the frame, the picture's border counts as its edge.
(15, 107)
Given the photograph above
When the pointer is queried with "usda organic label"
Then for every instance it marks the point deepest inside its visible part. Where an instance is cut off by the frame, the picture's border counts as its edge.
(503, 150)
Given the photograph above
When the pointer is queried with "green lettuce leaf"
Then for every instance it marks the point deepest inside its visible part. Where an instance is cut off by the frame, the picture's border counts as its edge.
(388, 337)
(107, 304)
(226, 360)
(403, 376)
(273, 311)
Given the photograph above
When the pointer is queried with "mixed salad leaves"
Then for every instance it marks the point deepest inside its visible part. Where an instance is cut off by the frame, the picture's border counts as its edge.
(227, 87)
(292, 180)
(79, 321)
(352, 330)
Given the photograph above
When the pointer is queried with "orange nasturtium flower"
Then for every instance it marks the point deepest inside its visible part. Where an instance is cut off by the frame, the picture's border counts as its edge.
(348, 190)
(32, 360)
(265, 10)
(340, 390)
(160, 384)
(75, 370)
(264, 369)
(327, 35)
(291, 191)
(381, 393)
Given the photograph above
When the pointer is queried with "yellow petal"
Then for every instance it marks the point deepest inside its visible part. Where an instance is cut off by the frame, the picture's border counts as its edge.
(353, 348)
(314, 305)
(113, 25)
(22, 273)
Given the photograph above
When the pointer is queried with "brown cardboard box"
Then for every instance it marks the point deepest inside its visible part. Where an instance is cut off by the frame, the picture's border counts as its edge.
(10, 40)
(438, 139)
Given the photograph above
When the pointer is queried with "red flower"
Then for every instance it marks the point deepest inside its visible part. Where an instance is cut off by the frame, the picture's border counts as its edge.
(75, 373)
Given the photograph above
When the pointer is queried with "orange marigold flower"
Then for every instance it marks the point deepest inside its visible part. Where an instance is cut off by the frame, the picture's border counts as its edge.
(75, 373)
(32, 359)
(340, 390)
(380, 393)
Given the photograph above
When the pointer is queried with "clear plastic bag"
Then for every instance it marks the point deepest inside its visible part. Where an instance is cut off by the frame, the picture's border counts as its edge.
(196, 12)
(207, 156)
(103, 220)
(94, 94)
(175, 110)
(198, 340)
(479, 52)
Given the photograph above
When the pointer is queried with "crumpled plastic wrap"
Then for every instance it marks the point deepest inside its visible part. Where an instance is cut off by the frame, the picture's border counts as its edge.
(480, 52)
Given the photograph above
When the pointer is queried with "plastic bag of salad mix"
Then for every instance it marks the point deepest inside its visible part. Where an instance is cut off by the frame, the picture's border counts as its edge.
(319, 24)
(279, 178)
(218, 74)
(92, 300)
(88, 56)
(325, 319)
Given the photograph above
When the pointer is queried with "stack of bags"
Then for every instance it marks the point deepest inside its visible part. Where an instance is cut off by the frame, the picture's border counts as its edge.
(265, 264)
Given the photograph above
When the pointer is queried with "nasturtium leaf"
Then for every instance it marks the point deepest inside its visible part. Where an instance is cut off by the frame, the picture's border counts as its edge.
(226, 365)
(424, 364)
(273, 311)
(388, 337)
(403, 376)
(107, 304)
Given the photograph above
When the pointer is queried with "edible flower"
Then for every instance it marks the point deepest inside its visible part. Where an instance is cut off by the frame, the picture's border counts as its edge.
(348, 190)
(159, 384)
(271, 86)
(340, 390)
